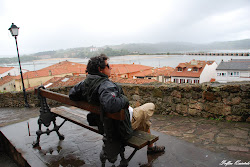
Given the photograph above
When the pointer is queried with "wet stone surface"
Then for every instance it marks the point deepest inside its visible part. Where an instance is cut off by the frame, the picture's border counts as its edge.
(189, 142)
(13, 115)
(232, 138)
(82, 148)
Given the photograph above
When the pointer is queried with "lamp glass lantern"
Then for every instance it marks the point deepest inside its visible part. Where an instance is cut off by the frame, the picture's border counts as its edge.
(14, 30)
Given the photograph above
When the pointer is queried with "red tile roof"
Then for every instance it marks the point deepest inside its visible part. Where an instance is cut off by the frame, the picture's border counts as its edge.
(133, 81)
(43, 73)
(199, 64)
(63, 81)
(53, 80)
(119, 69)
(72, 67)
(182, 65)
(5, 69)
(212, 80)
(165, 71)
(64, 67)
(6, 79)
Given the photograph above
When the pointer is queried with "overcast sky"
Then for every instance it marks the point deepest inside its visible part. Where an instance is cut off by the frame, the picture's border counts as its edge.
(61, 24)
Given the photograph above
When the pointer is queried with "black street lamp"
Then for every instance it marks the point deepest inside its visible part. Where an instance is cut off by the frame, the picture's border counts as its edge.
(14, 32)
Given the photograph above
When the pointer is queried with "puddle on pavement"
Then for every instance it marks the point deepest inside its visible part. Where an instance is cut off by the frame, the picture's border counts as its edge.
(63, 161)
(151, 159)
(73, 161)
(49, 151)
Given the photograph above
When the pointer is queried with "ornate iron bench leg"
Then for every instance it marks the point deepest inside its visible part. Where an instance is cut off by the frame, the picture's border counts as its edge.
(45, 118)
(124, 162)
(56, 128)
(38, 133)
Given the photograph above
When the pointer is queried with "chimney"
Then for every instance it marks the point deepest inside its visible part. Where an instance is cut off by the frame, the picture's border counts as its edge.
(50, 73)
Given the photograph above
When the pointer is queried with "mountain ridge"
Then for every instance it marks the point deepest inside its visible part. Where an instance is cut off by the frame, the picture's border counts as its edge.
(137, 48)
(164, 47)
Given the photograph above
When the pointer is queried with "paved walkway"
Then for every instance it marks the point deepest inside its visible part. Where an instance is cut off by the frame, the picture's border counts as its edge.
(232, 138)
(209, 136)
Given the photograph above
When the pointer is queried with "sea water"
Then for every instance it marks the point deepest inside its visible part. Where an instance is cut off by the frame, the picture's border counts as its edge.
(148, 60)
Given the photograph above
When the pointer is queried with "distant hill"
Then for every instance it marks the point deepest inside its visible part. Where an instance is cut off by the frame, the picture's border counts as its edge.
(135, 48)
(173, 47)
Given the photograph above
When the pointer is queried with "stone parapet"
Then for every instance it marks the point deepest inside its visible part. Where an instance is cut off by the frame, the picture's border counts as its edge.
(225, 102)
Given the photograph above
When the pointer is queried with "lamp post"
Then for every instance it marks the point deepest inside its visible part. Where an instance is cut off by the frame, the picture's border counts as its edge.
(14, 32)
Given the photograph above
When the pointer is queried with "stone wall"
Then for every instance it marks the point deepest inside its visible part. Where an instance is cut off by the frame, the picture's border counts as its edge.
(229, 102)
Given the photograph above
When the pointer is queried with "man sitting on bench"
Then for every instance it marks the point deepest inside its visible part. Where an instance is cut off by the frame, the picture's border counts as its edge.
(98, 89)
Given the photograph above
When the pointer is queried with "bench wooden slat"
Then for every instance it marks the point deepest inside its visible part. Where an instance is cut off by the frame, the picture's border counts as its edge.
(80, 120)
(137, 142)
(144, 135)
(80, 104)
(139, 139)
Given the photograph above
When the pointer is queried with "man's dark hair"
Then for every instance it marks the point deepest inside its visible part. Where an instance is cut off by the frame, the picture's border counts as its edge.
(95, 62)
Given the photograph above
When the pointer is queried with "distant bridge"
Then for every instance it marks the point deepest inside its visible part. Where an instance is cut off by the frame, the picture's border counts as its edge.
(220, 54)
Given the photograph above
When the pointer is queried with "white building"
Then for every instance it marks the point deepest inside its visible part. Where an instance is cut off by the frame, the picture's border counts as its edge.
(11, 71)
(93, 49)
(7, 84)
(195, 71)
(159, 74)
(234, 70)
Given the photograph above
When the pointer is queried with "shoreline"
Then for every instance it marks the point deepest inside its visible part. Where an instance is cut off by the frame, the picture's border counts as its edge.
(55, 59)
(88, 58)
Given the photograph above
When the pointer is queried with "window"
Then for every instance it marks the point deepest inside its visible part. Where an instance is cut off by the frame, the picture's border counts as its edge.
(236, 74)
(182, 80)
(189, 69)
(4, 88)
(179, 69)
(233, 74)
(195, 69)
(196, 81)
(176, 80)
(223, 74)
(189, 80)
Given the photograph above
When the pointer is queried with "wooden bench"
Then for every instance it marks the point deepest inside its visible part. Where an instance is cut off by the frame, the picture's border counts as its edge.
(138, 140)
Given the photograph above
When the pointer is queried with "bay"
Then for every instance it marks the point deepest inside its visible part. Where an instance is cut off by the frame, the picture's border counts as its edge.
(148, 60)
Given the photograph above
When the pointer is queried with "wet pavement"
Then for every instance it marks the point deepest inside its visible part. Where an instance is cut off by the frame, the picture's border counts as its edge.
(13, 115)
(232, 138)
(188, 142)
